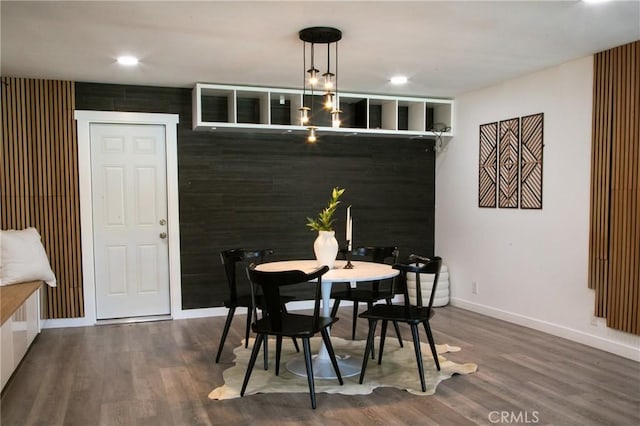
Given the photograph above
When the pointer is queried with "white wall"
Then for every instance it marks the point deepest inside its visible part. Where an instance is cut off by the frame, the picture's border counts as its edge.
(530, 266)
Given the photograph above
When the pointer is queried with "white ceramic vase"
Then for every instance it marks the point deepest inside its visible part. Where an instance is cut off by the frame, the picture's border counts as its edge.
(325, 248)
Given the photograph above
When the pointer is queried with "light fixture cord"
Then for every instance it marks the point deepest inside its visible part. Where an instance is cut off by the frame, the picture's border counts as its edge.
(313, 67)
(336, 75)
(304, 70)
(328, 61)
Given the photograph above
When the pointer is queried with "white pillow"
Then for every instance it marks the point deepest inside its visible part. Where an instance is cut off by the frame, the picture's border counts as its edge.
(23, 259)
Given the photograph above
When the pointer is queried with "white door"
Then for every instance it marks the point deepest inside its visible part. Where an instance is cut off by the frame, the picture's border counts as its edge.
(129, 205)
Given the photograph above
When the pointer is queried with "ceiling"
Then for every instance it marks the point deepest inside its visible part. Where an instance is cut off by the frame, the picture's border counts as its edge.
(446, 48)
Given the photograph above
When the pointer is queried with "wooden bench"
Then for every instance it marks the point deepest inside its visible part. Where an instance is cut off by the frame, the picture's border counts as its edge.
(13, 296)
(20, 312)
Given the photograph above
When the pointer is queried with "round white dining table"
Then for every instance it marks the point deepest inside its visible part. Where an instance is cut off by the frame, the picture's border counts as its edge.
(361, 271)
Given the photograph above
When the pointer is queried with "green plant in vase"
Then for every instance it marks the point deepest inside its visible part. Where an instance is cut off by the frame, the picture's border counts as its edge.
(324, 221)
(325, 245)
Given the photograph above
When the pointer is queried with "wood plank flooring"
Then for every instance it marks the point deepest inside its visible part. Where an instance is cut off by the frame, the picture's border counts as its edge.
(160, 373)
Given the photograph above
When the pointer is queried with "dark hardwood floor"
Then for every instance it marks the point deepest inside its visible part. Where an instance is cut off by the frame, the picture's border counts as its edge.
(160, 373)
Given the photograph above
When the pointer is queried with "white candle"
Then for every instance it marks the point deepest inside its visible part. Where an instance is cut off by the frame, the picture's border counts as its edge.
(348, 236)
(350, 233)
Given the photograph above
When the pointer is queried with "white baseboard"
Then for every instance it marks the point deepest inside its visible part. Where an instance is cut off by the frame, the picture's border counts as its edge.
(617, 348)
(183, 314)
(206, 312)
(66, 322)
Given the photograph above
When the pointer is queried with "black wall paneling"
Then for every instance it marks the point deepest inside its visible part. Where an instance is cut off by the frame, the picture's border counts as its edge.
(403, 118)
(215, 108)
(375, 116)
(248, 110)
(255, 189)
(281, 112)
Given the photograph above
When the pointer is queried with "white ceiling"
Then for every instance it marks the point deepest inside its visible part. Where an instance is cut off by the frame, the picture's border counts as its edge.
(445, 48)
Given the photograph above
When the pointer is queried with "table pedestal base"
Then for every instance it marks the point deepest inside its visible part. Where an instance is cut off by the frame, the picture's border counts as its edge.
(322, 368)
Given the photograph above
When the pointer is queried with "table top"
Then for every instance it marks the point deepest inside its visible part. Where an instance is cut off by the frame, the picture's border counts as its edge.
(362, 271)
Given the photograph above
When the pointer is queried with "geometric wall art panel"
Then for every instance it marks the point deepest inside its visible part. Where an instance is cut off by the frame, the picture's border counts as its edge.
(508, 144)
(531, 144)
(488, 167)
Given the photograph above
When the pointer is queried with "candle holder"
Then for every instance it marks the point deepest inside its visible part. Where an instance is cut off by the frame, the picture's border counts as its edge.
(349, 265)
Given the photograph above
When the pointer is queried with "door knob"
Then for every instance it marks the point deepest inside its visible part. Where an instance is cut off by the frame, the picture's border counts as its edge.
(163, 222)
(163, 235)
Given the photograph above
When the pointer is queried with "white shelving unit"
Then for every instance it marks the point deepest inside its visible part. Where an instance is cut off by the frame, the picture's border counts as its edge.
(247, 107)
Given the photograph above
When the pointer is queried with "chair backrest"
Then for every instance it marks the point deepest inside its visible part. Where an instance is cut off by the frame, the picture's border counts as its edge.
(379, 254)
(419, 265)
(270, 284)
(230, 259)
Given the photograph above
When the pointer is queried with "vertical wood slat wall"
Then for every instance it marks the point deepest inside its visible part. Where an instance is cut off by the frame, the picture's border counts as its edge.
(39, 172)
(614, 247)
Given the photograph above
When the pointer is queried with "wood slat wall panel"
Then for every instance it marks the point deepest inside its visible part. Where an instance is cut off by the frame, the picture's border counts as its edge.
(40, 180)
(614, 251)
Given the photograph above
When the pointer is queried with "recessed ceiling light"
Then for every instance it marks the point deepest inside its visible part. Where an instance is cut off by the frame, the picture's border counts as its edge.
(399, 79)
(595, 1)
(128, 60)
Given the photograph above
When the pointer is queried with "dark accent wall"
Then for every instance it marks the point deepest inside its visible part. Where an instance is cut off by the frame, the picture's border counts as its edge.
(255, 189)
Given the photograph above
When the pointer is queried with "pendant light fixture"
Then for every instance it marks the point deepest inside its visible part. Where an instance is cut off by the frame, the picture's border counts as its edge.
(311, 81)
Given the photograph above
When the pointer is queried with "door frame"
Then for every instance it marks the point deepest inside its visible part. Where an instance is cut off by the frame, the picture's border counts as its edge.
(169, 121)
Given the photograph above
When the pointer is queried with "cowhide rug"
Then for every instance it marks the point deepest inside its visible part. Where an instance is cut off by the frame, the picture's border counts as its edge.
(398, 370)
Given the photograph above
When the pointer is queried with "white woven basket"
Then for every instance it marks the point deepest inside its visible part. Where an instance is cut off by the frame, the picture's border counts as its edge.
(441, 297)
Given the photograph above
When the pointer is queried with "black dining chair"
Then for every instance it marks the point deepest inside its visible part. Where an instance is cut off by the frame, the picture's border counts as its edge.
(238, 296)
(367, 292)
(280, 323)
(413, 312)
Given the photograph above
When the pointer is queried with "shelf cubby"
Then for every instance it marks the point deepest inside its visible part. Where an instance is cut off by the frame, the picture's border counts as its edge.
(355, 111)
(285, 108)
(252, 107)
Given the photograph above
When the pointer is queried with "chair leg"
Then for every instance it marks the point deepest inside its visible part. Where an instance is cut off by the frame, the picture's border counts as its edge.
(266, 352)
(373, 344)
(334, 308)
(309, 365)
(332, 354)
(248, 329)
(383, 335)
(432, 344)
(278, 350)
(416, 345)
(225, 331)
(395, 325)
(369, 348)
(295, 342)
(252, 361)
(355, 320)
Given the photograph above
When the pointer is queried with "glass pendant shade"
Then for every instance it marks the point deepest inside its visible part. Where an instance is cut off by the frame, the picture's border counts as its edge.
(304, 115)
(313, 76)
(312, 135)
(328, 81)
(328, 101)
(335, 118)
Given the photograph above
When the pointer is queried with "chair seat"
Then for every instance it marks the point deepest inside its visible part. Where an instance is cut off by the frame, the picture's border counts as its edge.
(398, 313)
(293, 325)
